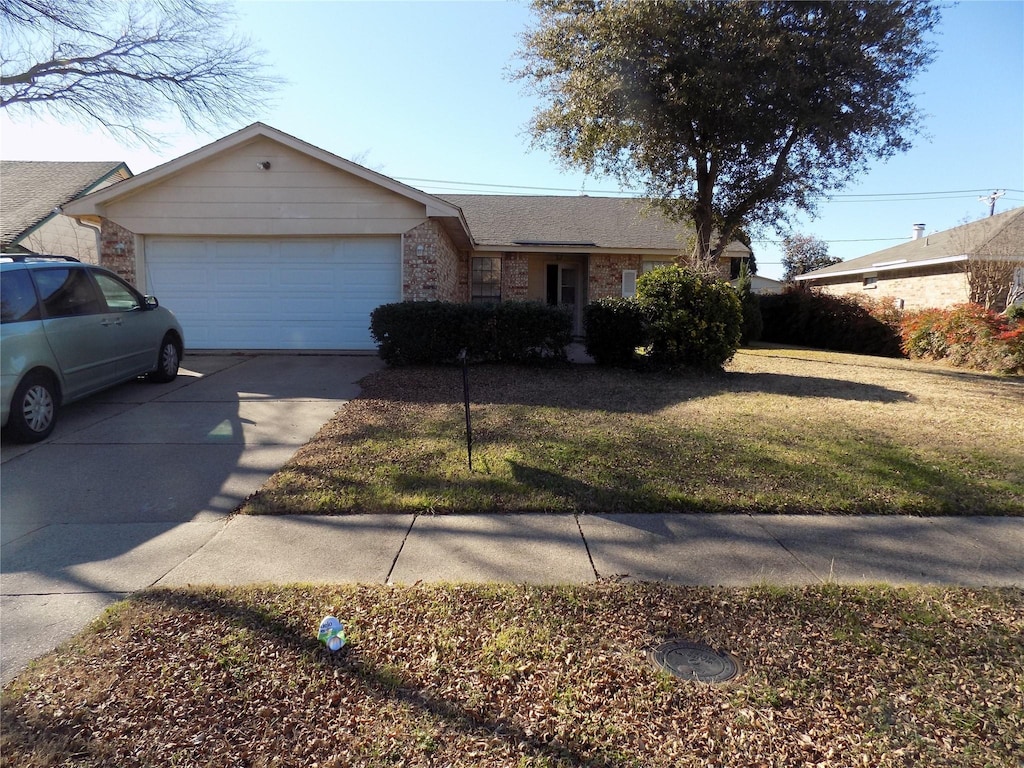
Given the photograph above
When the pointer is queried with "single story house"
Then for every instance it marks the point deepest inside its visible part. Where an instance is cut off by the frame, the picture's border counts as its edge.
(928, 271)
(262, 241)
(31, 194)
(762, 285)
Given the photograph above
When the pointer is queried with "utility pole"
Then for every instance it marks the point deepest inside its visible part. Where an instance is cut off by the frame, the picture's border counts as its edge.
(991, 200)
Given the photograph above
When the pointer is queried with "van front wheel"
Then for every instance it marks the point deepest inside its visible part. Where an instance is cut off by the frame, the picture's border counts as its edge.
(33, 409)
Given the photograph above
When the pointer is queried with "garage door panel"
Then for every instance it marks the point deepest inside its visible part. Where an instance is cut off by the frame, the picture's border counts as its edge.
(275, 294)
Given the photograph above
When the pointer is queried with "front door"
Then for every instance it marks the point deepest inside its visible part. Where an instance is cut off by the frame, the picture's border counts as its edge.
(563, 289)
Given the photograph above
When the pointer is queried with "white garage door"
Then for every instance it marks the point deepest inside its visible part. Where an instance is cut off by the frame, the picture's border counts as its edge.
(256, 293)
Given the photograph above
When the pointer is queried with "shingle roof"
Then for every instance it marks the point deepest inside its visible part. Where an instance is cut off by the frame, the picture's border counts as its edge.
(30, 190)
(1002, 231)
(581, 221)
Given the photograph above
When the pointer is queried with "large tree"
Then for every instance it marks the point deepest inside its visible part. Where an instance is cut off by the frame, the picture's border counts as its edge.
(805, 253)
(123, 64)
(730, 113)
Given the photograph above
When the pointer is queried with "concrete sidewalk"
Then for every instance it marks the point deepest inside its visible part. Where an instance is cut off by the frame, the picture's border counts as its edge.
(700, 549)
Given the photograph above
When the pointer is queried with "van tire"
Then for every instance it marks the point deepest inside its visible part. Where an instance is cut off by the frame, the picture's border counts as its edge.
(34, 408)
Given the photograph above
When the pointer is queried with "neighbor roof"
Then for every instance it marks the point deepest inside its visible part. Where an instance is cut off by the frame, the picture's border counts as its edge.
(948, 246)
(30, 190)
(571, 223)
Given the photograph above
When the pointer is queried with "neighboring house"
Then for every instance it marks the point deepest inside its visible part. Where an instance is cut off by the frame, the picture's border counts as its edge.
(31, 194)
(262, 241)
(933, 270)
(762, 285)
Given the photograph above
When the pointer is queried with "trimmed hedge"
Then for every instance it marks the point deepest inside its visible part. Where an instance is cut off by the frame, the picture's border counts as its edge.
(691, 319)
(613, 329)
(808, 318)
(433, 332)
(680, 318)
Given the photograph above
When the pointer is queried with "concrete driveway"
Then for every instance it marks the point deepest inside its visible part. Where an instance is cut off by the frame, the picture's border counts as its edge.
(136, 479)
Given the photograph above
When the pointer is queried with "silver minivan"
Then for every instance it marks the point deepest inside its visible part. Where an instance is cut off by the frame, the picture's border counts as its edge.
(68, 330)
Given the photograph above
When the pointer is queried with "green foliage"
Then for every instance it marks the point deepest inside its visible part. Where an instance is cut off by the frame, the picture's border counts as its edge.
(804, 253)
(753, 323)
(411, 333)
(676, 96)
(691, 319)
(840, 323)
(613, 328)
(967, 335)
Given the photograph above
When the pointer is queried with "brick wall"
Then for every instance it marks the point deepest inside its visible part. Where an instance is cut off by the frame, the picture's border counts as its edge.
(940, 286)
(430, 265)
(606, 274)
(515, 276)
(117, 250)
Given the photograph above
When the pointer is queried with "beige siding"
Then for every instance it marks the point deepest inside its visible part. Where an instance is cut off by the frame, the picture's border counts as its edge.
(298, 195)
(924, 288)
(63, 236)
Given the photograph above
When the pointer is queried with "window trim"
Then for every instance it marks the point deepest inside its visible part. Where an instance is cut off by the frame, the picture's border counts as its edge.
(485, 296)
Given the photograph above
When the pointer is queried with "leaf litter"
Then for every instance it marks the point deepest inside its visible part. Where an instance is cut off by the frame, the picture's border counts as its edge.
(489, 675)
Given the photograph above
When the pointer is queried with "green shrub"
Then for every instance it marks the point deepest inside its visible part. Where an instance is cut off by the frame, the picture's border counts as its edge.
(840, 323)
(613, 329)
(527, 330)
(966, 335)
(750, 303)
(691, 320)
(435, 332)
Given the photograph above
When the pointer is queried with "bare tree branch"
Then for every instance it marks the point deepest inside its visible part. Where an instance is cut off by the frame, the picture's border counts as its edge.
(123, 65)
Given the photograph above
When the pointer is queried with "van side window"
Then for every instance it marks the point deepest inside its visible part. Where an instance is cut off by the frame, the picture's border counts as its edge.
(67, 292)
(119, 297)
(17, 298)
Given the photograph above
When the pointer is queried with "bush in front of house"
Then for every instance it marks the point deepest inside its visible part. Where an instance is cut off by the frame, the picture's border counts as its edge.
(967, 336)
(613, 329)
(750, 302)
(524, 331)
(690, 319)
(435, 332)
(810, 318)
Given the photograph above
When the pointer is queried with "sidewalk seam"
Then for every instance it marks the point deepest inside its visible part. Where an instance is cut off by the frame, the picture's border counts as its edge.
(398, 554)
(586, 545)
(791, 553)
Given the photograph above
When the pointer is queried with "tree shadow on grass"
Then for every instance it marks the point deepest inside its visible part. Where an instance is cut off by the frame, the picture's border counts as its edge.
(346, 672)
(617, 391)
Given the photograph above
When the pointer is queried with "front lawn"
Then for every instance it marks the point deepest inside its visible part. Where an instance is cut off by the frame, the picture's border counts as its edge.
(469, 676)
(782, 430)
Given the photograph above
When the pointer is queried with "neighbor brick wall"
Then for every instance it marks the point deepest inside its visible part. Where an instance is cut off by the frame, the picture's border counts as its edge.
(927, 287)
(117, 250)
(430, 265)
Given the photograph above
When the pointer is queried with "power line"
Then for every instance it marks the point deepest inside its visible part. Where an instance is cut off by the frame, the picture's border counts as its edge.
(455, 187)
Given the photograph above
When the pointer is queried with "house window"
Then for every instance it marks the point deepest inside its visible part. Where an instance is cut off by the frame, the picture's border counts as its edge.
(870, 281)
(485, 278)
(628, 283)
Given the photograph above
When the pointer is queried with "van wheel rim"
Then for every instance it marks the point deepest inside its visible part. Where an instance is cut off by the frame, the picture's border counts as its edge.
(38, 408)
(170, 359)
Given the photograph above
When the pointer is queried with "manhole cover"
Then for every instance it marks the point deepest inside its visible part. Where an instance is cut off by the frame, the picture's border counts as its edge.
(695, 661)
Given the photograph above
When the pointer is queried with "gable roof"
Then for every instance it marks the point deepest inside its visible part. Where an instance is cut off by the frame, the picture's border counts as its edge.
(571, 223)
(435, 206)
(30, 191)
(946, 247)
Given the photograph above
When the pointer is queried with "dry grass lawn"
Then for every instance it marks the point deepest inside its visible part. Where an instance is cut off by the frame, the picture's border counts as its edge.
(782, 430)
(467, 676)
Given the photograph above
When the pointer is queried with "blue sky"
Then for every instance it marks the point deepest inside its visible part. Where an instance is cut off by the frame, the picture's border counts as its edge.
(419, 91)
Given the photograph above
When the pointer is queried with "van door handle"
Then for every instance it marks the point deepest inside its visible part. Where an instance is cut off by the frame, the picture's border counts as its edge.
(108, 322)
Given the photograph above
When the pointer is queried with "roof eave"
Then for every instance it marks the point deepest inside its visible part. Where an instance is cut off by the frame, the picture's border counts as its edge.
(883, 268)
